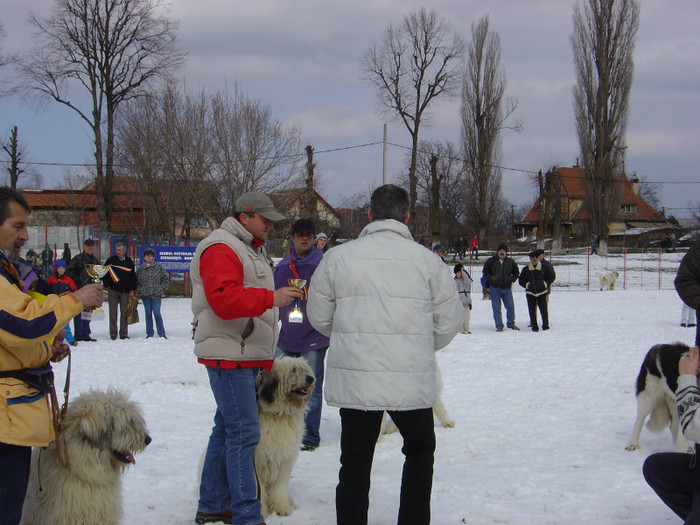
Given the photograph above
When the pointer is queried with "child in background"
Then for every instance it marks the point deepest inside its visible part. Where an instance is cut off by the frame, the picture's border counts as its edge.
(60, 283)
(687, 316)
(463, 282)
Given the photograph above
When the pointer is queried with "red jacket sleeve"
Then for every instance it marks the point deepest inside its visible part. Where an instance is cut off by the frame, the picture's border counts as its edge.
(222, 276)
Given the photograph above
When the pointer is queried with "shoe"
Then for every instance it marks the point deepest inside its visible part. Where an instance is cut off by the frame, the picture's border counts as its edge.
(162, 336)
(88, 338)
(74, 343)
(113, 338)
(691, 325)
(463, 332)
(148, 336)
(125, 337)
(206, 517)
(535, 329)
(308, 447)
(684, 325)
(499, 329)
(545, 328)
(514, 327)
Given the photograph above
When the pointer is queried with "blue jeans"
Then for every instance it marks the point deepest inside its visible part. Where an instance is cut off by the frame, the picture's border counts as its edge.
(312, 420)
(228, 475)
(505, 295)
(151, 305)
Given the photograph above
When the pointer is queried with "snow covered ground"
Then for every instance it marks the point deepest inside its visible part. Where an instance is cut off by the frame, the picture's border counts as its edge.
(542, 419)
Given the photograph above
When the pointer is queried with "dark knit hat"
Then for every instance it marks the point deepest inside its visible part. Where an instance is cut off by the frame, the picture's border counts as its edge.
(304, 226)
(437, 248)
(458, 268)
(502, 246)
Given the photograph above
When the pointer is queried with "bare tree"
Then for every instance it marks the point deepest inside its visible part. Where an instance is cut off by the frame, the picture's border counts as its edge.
(411, 66)
(603, 39)
(113, 50)
(440, 187)
(252, 150)
(16, 164)
(483, 118)
(5, 60)
(648, 191)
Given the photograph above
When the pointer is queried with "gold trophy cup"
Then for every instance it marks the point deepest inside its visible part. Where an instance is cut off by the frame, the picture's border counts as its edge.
(295, 314)
(97, 272)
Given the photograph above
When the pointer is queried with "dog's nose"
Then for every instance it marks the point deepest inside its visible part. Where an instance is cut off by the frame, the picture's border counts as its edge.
(310, 379)
(148, 439)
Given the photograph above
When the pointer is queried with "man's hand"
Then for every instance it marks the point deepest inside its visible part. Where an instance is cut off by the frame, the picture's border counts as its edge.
(60, 350)
(90, 295)
(285, 296)
(689, 365)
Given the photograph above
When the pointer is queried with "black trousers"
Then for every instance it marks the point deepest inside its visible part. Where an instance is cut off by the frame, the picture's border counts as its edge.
(359, 433)
(14, 477)
(537, 302)
(677, 483)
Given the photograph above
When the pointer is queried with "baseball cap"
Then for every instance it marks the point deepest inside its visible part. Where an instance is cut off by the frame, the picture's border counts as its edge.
(256, 202)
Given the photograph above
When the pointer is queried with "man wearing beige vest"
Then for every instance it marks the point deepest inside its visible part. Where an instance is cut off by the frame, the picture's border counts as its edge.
(234, 304)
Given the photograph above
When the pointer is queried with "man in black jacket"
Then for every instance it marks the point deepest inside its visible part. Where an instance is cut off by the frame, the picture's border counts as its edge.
(536, 278)
(501, 272)
(119, 289)
(688, 282)
(76, 271)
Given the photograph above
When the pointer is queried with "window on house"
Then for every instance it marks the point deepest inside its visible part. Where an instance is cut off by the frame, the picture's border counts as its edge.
(628, 208)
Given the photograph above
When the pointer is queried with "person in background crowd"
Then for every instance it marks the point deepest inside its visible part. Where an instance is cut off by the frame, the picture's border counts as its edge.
(300, 339)
(66, 255)
(234, 306)
(463, 282)
(595, 240)
(501, 272)
(152, 281)
(30, 337)
(59, 283)
(437, 250)
(77, 271)
(387, 305)
(474, 247)
(322, 242)
(121, 284)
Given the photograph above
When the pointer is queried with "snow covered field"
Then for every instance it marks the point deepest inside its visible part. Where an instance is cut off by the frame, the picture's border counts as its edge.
(542, 419)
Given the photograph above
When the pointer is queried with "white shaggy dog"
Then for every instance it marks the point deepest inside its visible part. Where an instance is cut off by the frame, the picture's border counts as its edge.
(607, 280)
(283, 393)
(438, 409)
(103, 430)
(656, 386)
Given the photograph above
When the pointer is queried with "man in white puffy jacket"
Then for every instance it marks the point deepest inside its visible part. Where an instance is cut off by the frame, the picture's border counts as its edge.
(387, 304)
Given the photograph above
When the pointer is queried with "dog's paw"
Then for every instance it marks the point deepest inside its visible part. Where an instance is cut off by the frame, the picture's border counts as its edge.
(631, 447)
(448, 424)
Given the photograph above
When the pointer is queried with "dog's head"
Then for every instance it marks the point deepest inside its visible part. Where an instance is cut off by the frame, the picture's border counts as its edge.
(106, 429)
(614, 275)
(286, 387)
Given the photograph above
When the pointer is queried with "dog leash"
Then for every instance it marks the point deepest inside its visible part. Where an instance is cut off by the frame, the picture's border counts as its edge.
(58, 415)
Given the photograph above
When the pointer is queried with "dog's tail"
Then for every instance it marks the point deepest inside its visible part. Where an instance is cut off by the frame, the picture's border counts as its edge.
(659, 419)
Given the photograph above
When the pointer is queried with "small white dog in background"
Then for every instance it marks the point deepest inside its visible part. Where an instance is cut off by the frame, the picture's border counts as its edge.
(607, 280)
(283, 394)
(439, 409)
(102, 431)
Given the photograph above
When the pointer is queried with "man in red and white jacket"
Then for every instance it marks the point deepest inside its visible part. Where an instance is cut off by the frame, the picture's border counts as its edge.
(233, 301)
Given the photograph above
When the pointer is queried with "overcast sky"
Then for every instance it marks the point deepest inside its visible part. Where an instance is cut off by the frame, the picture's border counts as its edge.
(302, 58)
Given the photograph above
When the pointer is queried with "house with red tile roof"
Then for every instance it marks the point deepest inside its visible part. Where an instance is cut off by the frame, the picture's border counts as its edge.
(635, 221)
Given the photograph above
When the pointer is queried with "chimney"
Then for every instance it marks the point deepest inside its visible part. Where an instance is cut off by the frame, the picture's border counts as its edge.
(635, 184)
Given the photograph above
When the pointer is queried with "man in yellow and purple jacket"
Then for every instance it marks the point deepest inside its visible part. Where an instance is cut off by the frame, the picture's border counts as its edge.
(27, 330)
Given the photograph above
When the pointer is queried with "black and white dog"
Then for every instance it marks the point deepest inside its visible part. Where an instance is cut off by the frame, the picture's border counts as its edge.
(656, 394)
